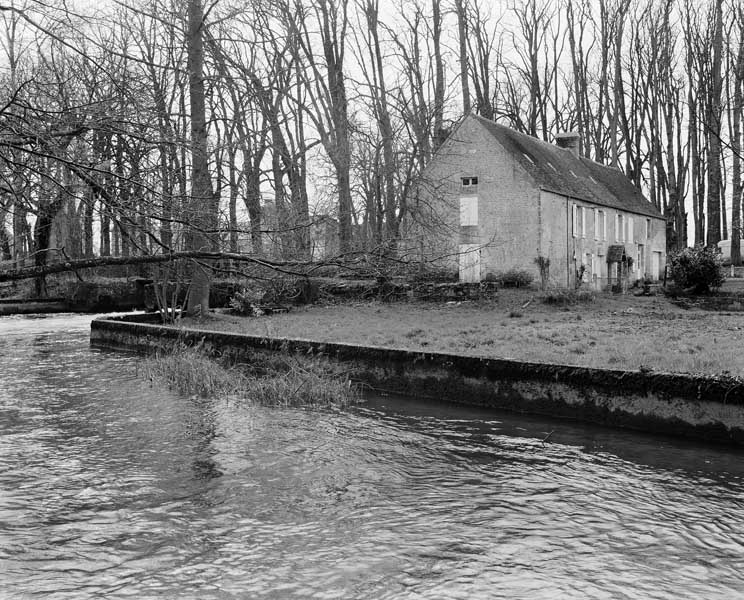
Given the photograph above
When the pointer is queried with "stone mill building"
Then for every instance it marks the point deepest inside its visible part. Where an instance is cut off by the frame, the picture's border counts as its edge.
(493, 199)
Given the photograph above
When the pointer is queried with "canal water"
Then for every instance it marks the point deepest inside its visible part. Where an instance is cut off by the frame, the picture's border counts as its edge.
(113, 487)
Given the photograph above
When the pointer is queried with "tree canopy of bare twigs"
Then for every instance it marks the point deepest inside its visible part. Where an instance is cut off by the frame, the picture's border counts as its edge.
(297, 129)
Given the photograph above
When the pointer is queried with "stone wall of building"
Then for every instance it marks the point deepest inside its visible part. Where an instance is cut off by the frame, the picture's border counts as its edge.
(479, 205)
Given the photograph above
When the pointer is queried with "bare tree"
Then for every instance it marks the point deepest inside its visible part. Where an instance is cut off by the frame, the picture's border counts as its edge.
(713, 130)
(737, 111)
(201, 210)
(326, 87)
(461, 11)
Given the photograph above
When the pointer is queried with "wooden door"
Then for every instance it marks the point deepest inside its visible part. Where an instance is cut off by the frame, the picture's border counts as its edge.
(470, 263)
(655, 265)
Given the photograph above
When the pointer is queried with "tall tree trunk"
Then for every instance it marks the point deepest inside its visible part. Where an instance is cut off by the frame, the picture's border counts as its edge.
(579, 74)
(252, 177)
(439, 133)
(88, 211)
(462, 31)
(333, 30)
(618, 111)
(736, 148)
(382, 112)
(200, 214)
(713, 127)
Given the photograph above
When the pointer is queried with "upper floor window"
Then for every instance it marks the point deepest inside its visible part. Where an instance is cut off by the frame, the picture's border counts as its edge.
(630, 237)
(579, 221)
(468, 211)
(600, 225)
(619, 228)
(469, 182)
(648, 229)
(604, 226)
(582, 220)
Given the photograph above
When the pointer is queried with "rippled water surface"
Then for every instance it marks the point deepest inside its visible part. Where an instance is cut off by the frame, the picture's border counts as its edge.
(113, 488)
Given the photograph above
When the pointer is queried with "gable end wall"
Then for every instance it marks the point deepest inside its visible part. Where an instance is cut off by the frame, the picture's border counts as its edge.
(508, 203)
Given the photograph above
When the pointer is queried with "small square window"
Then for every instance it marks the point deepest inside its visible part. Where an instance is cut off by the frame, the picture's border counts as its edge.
(469, 181)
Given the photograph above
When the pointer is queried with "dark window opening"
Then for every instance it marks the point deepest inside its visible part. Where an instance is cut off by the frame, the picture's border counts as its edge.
(469, 181)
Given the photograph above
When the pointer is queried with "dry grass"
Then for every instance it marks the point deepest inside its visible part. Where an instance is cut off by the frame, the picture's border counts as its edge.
(286, 381)
(623, 332)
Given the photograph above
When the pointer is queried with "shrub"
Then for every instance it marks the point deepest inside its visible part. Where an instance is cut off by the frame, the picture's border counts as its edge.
(563, 297)
(245, 302)
(516, 278)
(698, 269)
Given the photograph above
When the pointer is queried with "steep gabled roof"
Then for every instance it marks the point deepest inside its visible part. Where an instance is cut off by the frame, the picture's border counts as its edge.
(558, 170)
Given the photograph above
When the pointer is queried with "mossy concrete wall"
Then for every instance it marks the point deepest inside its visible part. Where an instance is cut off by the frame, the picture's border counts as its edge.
(33, 306)
(708, 408)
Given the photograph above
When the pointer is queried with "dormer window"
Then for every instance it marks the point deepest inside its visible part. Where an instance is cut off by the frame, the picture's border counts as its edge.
(469, 182)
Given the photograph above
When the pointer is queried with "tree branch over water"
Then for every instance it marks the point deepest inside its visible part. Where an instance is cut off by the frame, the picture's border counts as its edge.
(102, 261)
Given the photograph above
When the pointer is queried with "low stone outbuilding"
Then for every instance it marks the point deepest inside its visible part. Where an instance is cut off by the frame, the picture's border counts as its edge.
(493, 199)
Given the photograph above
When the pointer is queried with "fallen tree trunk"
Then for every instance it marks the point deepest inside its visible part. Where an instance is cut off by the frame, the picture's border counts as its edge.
(102, 261)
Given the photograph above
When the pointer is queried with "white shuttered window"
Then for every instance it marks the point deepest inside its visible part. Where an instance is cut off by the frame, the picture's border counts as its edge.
(604, 226)
(575, 221)
(468, 211)
(582, 218)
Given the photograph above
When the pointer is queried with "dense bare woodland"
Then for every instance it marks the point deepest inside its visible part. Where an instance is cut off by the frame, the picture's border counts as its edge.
(298, 130)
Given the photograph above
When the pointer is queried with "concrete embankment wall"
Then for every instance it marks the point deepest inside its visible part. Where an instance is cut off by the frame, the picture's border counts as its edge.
(33, 306)
(702, 407)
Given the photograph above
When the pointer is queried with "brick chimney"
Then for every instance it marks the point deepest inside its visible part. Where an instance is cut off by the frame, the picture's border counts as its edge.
(568, 140)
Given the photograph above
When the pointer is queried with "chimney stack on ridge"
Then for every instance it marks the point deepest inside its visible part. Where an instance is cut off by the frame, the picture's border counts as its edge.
(568, 140)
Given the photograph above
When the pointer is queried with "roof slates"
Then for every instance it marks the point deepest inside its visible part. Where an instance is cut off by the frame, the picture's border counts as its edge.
(553, 166)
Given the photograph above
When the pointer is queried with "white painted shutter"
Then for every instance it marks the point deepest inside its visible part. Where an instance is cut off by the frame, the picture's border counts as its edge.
(596, 224)
(604, 226)
(583, 222)
(575, 221)
(468, 211)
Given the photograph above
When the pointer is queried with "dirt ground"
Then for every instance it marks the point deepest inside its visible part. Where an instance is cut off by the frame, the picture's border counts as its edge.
(613, 331)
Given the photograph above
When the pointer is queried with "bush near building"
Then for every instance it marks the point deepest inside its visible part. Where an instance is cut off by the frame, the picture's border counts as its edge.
(697, 269)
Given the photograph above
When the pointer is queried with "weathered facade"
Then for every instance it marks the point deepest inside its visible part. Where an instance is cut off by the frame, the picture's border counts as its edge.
(493, 199)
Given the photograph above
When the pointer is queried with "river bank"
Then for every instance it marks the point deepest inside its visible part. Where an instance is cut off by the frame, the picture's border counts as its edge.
(700, 406)
(614, 332)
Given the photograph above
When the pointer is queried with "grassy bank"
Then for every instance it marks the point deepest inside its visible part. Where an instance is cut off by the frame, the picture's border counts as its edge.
(276, 381)
(622, 332)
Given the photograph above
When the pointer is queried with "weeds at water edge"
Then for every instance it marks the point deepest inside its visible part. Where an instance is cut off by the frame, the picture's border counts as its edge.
(272, 381)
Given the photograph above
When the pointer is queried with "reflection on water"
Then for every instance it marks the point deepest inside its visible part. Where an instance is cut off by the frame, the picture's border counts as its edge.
(110, 487)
